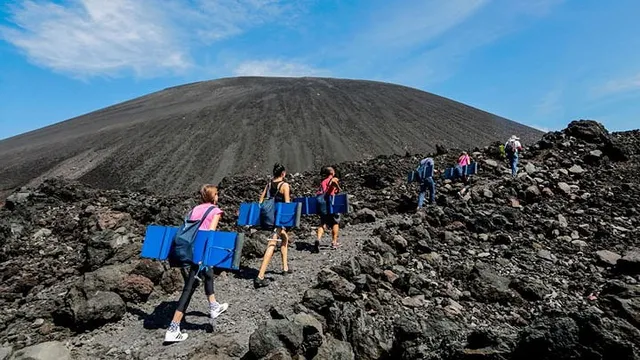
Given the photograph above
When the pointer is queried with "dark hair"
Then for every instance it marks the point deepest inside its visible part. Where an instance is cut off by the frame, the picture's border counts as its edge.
(278, 169)
(325, 171)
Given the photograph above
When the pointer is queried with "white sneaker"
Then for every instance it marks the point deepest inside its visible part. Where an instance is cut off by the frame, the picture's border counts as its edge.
(175, 336)
(219, 310)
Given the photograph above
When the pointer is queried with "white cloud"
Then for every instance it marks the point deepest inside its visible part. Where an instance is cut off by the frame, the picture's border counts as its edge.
(274, 67)
(618, 86)
(551, 102)
(87, 38)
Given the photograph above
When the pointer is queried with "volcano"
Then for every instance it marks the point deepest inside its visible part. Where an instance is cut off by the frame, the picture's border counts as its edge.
(175, 139)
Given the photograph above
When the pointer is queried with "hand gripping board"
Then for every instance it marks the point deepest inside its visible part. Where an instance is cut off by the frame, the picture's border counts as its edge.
(249, 214)
(288, 214)
(223, 249)
(157, 242)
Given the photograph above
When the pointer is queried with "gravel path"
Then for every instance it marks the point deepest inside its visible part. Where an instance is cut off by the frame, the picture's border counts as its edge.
(140, 333)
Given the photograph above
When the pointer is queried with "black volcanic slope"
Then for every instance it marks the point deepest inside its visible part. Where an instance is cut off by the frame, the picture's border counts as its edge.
(172, 140)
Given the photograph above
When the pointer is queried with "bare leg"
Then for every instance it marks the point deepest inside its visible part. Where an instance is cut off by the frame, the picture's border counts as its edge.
(284, 249)
(320, 232)
(267, 256)
(334, 232)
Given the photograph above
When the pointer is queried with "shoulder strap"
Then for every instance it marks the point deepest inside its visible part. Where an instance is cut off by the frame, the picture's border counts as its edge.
(279, 186)
(206, 213)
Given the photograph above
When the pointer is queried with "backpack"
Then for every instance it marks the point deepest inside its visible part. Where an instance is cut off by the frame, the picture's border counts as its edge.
(181, 252)
(268, 209)
(422, 171)
(321, 200)
(510, 148)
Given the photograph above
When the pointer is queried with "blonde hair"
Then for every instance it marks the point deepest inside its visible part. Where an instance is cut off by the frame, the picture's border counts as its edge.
(208, 193)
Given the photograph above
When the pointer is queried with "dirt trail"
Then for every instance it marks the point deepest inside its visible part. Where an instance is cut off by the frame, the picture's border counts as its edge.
(140, 333)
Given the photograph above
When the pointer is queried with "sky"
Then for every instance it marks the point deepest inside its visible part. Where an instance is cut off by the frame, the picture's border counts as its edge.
(538, 62)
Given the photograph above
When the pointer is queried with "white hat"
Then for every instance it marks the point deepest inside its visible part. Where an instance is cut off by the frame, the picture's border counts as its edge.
(513, 137)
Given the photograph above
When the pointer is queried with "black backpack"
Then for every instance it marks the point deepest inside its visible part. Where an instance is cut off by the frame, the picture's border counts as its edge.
(181, 252)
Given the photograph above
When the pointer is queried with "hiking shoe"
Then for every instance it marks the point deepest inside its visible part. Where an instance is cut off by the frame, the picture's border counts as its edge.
(287, 272)
(217, 310)
(258, 283)
(175, 336)
(336, 246)
(316, 247)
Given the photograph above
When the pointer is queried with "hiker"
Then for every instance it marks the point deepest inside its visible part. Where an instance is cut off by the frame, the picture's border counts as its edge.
(328, 186)
(463, 160)
(426, 182)
(277, 190)
(512, 147)
(209, 215)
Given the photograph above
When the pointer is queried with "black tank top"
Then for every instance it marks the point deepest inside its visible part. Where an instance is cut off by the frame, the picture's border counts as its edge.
(274, 191)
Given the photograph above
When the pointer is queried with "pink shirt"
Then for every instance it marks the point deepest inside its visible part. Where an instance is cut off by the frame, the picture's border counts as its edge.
(199, 211)
(464, 160)
(325, 184)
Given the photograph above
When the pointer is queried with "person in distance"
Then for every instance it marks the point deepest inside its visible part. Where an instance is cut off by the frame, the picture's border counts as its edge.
(209, 203)
(330, 185)
(277, 190)
(426, 183)
(512, 148)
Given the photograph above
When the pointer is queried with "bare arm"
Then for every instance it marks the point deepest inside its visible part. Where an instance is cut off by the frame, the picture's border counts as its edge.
(285, 192)
(214, 222)
(264, 193)
(336, 183)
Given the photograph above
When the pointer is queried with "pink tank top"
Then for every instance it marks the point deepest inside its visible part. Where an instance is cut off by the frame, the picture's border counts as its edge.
(464, 160)
(199, 211)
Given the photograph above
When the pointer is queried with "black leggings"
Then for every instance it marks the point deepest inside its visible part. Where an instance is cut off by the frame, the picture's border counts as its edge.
(190, 285)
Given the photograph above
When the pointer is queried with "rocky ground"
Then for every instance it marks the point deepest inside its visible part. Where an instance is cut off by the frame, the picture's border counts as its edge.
(544, 266)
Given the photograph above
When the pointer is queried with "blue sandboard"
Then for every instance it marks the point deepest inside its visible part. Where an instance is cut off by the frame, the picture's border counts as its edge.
(471, 169)
(338, 204)
(413, 175)
(249, 214)
(288, 214)
(309, 205)
(157, 242)
(223, 249)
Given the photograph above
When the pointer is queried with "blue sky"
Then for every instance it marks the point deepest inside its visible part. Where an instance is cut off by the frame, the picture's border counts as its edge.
(539, 62)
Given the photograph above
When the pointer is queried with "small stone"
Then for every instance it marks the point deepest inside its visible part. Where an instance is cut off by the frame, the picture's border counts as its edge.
(563, 221)
(579, 243)
(491, 163)
(547, 255)
(564, 187)
(484, 255)
(514, 203)
(432, 258)
(454, 308)
(488, 193)
(414, 301)
(484, 237)
(595, 153)
(547, 192)
(576, 169)
(38, 323)
(52, 350)
(390, 275)
(607, 257)
(530, 168)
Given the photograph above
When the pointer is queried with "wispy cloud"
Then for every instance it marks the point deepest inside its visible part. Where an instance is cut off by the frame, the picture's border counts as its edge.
(551, 102)
(454, 30)
(618, 86)
(87, 38)
(277, 68)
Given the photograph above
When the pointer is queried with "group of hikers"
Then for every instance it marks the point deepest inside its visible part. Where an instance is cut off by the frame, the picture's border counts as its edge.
(278, 190)
(208, 213)
(510, 150)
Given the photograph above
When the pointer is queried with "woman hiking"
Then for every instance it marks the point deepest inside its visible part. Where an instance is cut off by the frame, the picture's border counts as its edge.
(328, 186)
(208, 206)
(278, 191)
